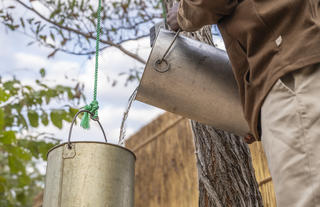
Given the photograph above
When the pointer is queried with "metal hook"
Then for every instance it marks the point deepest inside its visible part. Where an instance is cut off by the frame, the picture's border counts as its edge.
(162, 59)
(159, 68)
(74, 120)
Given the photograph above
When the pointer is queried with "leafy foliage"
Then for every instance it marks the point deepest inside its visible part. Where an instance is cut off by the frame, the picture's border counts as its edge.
(25, 107)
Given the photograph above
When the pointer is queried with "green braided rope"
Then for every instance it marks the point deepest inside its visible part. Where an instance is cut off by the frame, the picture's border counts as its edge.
(94, 105)
(97, 53)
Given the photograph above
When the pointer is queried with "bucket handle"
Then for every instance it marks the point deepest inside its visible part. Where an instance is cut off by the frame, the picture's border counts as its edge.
(74, 120)
(158, 62)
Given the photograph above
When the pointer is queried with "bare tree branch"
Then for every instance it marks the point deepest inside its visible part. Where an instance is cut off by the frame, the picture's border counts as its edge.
(86, 35)
(93, 51)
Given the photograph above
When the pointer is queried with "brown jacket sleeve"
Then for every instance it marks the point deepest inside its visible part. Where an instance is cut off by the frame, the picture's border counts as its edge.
(193, 14)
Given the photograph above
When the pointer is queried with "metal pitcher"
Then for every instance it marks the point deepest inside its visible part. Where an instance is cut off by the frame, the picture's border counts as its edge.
(192, 79)
(89, 174)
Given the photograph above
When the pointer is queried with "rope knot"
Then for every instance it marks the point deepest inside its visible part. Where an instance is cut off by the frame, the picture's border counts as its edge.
(93, 108)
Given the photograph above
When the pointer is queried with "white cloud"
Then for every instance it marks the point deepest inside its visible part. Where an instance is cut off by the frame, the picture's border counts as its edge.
(143, 114)
(30, 61)
(34, 62)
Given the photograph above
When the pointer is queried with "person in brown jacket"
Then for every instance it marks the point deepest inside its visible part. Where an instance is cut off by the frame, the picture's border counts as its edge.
(274, 49)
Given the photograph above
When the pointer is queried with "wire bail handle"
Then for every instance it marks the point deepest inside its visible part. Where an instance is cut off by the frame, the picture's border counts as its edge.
(158, 63)
(92, 117)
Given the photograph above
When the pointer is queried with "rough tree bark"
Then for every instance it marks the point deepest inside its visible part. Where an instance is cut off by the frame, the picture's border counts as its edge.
(225, 171)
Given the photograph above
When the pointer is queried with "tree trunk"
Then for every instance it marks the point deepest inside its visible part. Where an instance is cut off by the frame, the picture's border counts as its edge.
(226, 175)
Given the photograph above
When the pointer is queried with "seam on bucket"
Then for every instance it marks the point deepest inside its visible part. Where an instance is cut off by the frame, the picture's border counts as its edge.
(61, 179)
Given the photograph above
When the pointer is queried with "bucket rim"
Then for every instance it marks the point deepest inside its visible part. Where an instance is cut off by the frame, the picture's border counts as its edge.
(95, 142)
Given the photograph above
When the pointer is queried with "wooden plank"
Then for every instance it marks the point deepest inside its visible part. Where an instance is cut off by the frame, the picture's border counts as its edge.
(166, 173)
(262, 173)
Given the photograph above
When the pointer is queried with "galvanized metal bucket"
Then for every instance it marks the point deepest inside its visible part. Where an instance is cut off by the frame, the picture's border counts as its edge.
(194, 80)
(85, 174)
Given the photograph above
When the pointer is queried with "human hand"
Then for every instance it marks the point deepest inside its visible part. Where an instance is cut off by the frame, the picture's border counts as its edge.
(172, 17)
(249, 139)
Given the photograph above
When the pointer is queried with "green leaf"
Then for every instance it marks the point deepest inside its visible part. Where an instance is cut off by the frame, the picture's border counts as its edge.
(43, 37)
(33, 118)
(56, 118)
(42, 72)
(2, 119)
(44, 118)
(15, 164)
(21, 196)
(38, 29)
(67, 117)
(2, 184)
(22, 22)
(52, 36)
(11, 26)
(31, 145)
(18, 106)
(73, 111)
(8, 121)
(54, 13)
(3, 95)
(24, 180)
(61, 22)
(8, 137)
(22, 121)
(43, 148)
(30, 20)
(52, 53)
(12, 86)
(18, 152)
(70, 94)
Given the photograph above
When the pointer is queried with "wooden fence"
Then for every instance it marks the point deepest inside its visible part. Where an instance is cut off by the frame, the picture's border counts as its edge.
(166, 173)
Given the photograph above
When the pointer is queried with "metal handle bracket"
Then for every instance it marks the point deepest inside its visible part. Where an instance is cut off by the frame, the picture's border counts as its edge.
(161, 65)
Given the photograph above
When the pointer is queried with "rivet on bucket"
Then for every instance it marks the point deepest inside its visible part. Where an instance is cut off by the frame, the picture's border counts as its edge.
(69, 151)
